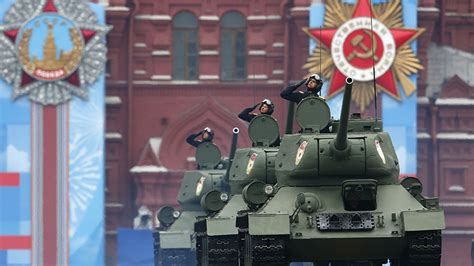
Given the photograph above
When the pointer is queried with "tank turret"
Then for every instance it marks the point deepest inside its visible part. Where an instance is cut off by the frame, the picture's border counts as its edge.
(196, 184)
(217, 238)
(257, 162)
(338, 186)
(203, 192)
(319, 156)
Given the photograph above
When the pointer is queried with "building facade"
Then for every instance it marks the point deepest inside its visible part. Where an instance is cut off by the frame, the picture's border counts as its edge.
(176, 67)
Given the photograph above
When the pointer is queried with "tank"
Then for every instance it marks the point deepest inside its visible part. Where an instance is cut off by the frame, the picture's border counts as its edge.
(202, 192)
(252, 170)
(338, 198)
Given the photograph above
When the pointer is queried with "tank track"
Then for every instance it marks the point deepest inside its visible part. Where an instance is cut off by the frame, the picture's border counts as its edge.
(266, 250)
(424, 248)
(177, 257)
(156, 246)
(217, 250)
(201, 245)
(201, 241)
(223, 250)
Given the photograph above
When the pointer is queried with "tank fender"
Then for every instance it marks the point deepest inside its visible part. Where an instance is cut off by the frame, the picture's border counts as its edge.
(423, 220)
(177, 239)
(269, 224)
(219, 226)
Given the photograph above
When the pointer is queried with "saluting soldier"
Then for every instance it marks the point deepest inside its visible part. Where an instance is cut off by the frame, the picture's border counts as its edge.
(313, 86)
(266, 108)
(206, 136)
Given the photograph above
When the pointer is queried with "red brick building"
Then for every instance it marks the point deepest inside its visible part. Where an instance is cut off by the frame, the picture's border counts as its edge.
(178, 66)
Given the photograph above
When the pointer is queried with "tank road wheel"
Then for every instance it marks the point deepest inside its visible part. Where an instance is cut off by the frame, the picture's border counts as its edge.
(223, 250)
(266, 250)
(424, 248)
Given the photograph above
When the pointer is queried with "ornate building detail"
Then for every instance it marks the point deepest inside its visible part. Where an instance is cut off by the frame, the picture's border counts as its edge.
(208, 113)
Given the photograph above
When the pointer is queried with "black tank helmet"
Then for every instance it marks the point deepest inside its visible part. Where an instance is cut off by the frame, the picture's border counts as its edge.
(210, 132)
(315, 77)
(270, 105)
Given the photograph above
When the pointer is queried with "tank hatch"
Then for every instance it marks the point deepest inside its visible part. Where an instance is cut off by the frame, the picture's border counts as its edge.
(254, 194)
(166, 215)
(313, 114)
(359, 194)
(263, 130)
(208, 156)
(214, 200)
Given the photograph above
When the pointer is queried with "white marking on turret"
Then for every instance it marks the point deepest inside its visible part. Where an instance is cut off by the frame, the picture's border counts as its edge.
(200, 185)
(379, 150)
(300, 153)
(251, 162)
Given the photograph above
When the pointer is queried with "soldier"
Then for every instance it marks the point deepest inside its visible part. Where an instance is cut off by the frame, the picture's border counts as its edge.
(313, 85)
(206, 136)
(266, 108)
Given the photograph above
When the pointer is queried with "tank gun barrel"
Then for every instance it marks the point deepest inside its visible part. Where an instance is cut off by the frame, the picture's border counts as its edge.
(233, 147)
(340, 142)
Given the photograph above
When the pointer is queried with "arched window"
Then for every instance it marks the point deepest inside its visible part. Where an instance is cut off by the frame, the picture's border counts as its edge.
(233, 47)
(185, 46)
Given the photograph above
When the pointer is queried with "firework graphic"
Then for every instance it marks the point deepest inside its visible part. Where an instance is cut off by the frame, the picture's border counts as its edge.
(86, 155)
(85, 179)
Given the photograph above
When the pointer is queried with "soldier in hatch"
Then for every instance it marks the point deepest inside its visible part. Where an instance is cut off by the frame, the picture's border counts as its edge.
(266, 108)
(313, 86)
(313, 83)
(206, 136)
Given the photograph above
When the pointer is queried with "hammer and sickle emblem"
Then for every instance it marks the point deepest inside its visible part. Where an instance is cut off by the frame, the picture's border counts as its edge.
(357, 41)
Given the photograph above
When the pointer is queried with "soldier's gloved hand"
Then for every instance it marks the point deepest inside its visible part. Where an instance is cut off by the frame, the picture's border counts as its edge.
(255, 106)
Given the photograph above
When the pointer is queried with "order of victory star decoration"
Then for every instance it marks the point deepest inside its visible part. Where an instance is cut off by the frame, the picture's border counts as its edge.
(346, 46)
(51, 50)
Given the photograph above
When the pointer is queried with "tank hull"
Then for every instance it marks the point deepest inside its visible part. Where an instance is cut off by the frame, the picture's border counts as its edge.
(219, 242)
(393, 227)
(176, 245)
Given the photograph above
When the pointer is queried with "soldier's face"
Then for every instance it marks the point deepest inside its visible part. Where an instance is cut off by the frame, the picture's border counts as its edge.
(205, 135)
(264, 109)
(312, 84)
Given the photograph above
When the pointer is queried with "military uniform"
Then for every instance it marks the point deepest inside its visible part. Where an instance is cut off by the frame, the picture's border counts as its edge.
(290, 94)
(246, 114)
(296, 97)
(191, 139)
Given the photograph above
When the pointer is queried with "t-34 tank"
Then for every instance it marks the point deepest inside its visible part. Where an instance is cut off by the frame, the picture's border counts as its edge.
(202, 193)
(218, 240)
(339, 198)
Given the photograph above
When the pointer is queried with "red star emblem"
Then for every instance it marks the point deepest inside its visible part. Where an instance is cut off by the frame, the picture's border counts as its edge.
(386, 81)
(86, 34)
